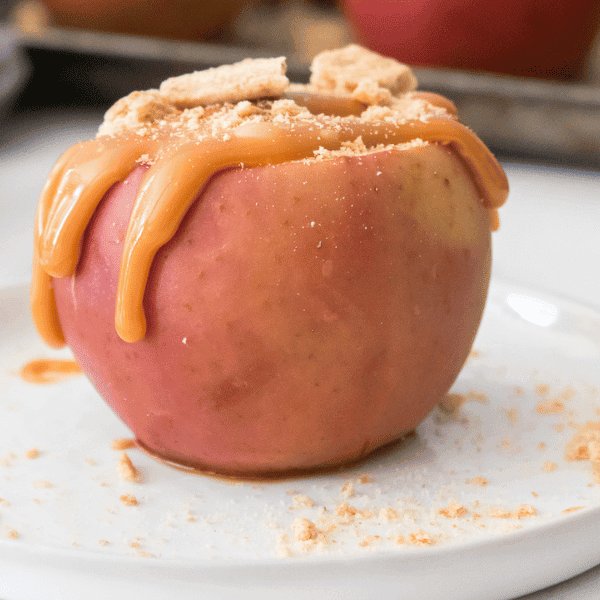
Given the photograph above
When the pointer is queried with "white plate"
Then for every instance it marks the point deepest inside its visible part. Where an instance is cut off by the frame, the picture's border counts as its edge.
(192, 536)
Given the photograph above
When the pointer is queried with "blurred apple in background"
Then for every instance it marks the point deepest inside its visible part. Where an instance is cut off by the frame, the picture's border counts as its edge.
(176, 19)
(534, 38)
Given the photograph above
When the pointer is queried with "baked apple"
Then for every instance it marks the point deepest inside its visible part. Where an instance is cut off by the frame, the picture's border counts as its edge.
(257, 288)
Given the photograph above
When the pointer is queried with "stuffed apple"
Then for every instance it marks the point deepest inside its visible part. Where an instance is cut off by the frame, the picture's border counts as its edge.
(274, 278)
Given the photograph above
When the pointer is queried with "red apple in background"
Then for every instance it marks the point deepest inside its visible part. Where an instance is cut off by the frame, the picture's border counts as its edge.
(536, 38)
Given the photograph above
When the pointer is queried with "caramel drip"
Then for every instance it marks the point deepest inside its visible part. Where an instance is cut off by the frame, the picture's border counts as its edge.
(345, 106)
(338, 106)
(45, 370)
(181, 168)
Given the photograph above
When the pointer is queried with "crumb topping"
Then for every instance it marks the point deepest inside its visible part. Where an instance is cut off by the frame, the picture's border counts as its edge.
(355, 70)
(212, 104)
(249, 79)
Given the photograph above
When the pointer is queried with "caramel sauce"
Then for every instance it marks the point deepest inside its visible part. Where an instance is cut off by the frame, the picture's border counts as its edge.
(181, 166)
(242, 476)
(45, 370)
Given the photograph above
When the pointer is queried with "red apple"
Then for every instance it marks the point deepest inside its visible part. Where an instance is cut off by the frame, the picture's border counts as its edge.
(538, 38)
(303, 315)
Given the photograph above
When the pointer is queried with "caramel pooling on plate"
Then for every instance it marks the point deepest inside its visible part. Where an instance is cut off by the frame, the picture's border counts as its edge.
(181, 164)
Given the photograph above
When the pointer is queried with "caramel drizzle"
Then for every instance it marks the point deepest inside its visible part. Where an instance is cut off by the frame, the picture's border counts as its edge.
(84, 174)
(47, 370)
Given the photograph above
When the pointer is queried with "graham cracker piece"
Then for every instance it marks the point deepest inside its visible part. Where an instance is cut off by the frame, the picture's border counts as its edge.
(355, 69)
(249, 79)
(135, 111)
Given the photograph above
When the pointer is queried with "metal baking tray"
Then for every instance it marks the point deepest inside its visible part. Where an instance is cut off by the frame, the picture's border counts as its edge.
(516, 117)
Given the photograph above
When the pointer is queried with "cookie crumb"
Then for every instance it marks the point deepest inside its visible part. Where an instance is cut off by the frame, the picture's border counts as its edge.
(302, 501)
(525, 510)
(453, 510)
(388, 514)
(33, 453)
(249, 79)
(128, 500)
(522, 511)
(126, 470)
(135, 112)
(365, 478)
(348, 490)
(304, 529)
(585, 445)
(13, 534)
(123, 444)
(352, 68)
(478, 397)
(367, 540)
(6, 461)
(550, 466)
(103, 542)
(451, 403)
(345, 513)
(572, 509)
(41, 483)
(550, 407)
(421, 538)
(477, 481)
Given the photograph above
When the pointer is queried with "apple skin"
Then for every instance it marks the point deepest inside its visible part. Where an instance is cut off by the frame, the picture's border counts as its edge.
(532, 38)
(302, 316)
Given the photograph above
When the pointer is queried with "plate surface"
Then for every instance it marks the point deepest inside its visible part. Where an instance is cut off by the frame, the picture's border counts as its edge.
(480, 503)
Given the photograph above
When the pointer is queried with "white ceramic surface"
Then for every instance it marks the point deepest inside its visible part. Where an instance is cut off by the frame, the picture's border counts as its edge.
(192, 536)
(198, 535)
